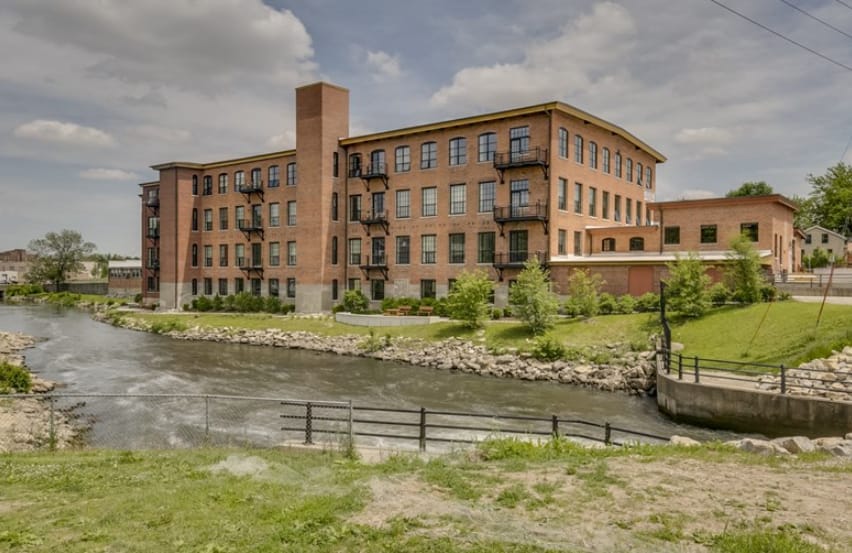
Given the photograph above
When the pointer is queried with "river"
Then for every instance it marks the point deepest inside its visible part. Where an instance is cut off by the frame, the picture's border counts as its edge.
(88, 357)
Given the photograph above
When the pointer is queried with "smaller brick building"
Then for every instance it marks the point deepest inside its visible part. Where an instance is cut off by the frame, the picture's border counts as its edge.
(125, 278)
(633, 259)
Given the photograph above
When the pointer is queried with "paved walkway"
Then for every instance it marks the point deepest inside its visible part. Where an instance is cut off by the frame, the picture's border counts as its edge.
(841, 300)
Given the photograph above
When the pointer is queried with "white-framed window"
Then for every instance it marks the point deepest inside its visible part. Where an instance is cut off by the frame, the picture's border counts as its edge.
(458, 199)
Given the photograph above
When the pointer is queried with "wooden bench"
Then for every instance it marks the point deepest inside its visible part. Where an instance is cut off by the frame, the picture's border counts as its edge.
(425, 310)
(391, 312)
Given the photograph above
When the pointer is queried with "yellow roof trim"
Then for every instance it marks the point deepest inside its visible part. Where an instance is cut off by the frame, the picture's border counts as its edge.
(517, 112)
(224, 163)
(151, 183)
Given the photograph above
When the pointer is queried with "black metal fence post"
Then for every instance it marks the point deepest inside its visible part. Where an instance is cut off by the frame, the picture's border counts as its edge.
(422, 436)
(554, 426)
(309, 439)
(783, 380)
(696, 369)
(680, 366)
(607, 434)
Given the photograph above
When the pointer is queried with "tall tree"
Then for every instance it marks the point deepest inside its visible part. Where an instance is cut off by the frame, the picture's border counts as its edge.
(832, 198)
(468, 300)
(57, 255)
(805, 217)
(743, 273)
(531, 298)
(758, 188)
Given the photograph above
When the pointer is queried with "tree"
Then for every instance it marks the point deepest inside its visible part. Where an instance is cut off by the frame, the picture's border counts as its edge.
(531, 298)
(58, 255)
(468, 300)
(354, 301)
(832, 198)
(806, 216)
(687, 286)
(758, 188)
(818, 259)
(744, 275)
(583, 290)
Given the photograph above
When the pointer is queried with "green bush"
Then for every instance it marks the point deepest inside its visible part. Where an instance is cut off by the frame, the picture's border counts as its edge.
(137, 298)
(719, 294)
(626, 304)
(272, 304)
(584, 293)
(607, 304)
(373, 343)
(354, 301)
(288, 308)
(496, 313)
(768, 292)
(14, 378)
(468, 301)
(687, 286)
(547, 348)
(744, 275)
(163, 327)
(202, 303)
(648, 302)
(217, 303)
(24, 290)
(531, 298)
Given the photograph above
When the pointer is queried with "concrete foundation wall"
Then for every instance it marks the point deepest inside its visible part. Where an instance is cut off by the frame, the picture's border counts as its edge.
(766, 413)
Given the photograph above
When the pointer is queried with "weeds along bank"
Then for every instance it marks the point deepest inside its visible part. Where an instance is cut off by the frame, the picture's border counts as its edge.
(28, 423)
(619, 368)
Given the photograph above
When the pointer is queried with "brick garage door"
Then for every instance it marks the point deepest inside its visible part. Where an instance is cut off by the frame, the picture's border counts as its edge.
(640, 280)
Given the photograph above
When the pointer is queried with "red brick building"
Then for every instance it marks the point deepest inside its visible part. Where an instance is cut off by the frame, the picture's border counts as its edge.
(396, 213)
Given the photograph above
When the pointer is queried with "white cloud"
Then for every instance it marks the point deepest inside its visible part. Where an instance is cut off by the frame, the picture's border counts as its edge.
(284, 141)
(383, 65)
(102, 173)
(68, 133)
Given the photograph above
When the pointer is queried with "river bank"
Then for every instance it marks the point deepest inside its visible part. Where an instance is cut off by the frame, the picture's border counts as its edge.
(625, 370)
(29, 423)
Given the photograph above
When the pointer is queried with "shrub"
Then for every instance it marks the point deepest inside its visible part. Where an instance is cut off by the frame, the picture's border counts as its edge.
(272, 304)
(24, 290)
(288, 308)
(743, 275)
(768, 292)
(354, 301)
(163, 327)
(547, 348)
(468, 300)
(584, 293)
(496, 313)
(648, 303)
(687, 286)
(719, 294)
(137, 298)
(336, 309)
(372, 342)
(202, 303)
(626, 304)
(531, 298)
(606, 304)
(13, 377)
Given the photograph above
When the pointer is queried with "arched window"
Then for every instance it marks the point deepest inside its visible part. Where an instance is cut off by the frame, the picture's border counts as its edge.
(593, 155)
(608, 245)
(578, 148)
(487, 146)
(637, 244)
(606, 167)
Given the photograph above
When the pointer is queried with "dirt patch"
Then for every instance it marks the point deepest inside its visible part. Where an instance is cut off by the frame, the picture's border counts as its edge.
(625, 504)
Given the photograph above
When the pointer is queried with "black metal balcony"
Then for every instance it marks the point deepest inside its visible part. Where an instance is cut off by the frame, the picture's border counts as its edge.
(251, 225)
(153, 233)
(154, 265)
(521, 213)
(376, 262)
(527, 158)
(370, 218)
(374, 171)
(251, 264)
(153, 202)
(516, 260)
(249, 188)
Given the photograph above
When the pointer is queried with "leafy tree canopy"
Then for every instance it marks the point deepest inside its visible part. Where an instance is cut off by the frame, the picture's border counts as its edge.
(58, 255)
(759, 188)
(468, 300)
(831, 199)
(531, 298)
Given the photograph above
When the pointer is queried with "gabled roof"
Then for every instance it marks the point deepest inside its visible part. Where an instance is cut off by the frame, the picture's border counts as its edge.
(823, 229)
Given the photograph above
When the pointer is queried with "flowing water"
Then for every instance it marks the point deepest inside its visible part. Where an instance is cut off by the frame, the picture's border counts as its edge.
(88, 357)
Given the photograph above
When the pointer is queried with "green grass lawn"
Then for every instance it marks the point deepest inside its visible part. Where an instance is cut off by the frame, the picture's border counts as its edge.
(782, 332)
(510, 497)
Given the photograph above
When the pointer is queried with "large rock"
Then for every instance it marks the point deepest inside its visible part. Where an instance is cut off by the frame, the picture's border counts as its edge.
(683, 441)
(795, 444)
(761, 447)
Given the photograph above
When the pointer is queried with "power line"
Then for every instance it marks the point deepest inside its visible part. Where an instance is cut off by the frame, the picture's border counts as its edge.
(779, 35)
(846, 149)
(815, 18)
(842, 3)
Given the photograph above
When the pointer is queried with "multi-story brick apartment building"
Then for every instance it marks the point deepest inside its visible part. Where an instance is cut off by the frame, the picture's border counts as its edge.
(402, 212)
(396, 213)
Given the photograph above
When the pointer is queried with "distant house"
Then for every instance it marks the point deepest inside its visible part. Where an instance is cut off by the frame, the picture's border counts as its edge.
(833, 243)
(125, 278)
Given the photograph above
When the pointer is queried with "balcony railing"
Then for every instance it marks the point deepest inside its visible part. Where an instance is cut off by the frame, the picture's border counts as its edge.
(255, 223)
(250, 187)
(375, 262)
(153, 233)
(153, 202)
(154, 265)
(517, 258)
(369, 218)
(248, 263)
(535, 212)
(525, 158)
(370, 172)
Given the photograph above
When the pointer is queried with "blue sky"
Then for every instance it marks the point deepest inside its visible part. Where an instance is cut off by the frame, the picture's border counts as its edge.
(95, 91)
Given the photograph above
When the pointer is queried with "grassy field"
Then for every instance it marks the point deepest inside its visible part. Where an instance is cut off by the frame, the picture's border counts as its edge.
(783, 332)
(508, 496)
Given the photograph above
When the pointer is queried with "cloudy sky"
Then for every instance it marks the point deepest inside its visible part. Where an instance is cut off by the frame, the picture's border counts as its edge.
(92, 92)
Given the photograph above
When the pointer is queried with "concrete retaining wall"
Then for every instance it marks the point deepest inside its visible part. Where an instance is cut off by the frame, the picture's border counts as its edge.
(767, 413)
(383, 320)
(95, 288)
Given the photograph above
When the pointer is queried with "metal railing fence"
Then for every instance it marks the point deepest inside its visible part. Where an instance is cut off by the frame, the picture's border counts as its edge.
(165, 421)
